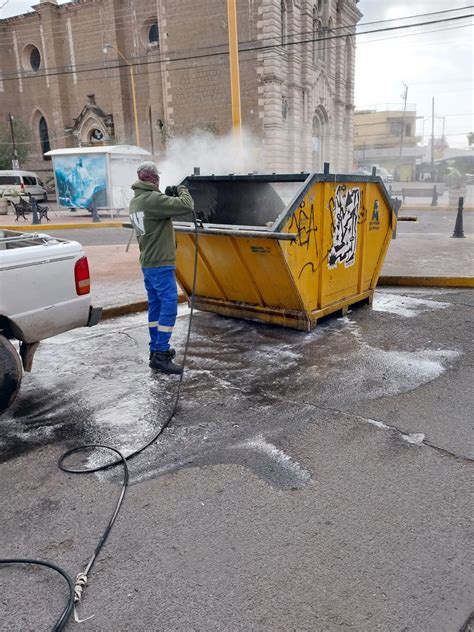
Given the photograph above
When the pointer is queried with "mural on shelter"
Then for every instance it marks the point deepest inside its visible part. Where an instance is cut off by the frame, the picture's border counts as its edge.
(344, 207)
(81, 180)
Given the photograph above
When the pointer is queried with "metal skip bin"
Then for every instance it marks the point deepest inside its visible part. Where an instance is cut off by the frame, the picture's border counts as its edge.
(284, 249)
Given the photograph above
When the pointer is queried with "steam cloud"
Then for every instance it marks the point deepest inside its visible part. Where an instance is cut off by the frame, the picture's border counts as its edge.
(213, 154)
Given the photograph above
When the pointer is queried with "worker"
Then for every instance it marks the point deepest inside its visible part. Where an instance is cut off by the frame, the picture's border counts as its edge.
(150, 213)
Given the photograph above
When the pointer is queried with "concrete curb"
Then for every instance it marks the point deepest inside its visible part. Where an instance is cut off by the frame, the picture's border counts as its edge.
(45, 227)
(427, 281)
(130, 308)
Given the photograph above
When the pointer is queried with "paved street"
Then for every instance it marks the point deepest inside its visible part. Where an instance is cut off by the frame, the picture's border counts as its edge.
(308, 482)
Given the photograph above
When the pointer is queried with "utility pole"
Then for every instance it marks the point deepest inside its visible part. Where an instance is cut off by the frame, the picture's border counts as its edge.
(404, 97)
(432, 135)
(234, 73)
(15, 161)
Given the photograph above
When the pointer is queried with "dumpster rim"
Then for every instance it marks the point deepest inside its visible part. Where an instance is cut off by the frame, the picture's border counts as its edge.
(259, 177)
(188, 227)
(306, 178)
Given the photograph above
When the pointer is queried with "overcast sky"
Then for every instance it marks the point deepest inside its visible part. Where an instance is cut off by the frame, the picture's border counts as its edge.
(438, 65)
(435, 64)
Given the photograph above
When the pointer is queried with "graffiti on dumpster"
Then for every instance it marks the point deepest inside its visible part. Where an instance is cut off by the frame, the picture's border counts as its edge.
(344, 207)
(375, 221)
(309, 265)
(305, 225)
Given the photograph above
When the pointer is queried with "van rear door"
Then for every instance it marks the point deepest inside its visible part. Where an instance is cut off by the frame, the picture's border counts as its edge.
(32, 186)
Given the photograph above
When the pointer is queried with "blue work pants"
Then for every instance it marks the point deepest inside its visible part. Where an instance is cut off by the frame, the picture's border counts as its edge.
(160, 284)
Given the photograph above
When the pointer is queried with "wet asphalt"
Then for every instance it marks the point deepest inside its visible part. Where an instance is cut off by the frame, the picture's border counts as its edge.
(308, 481)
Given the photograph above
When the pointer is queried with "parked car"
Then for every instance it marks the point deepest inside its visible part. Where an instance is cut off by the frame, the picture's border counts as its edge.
(45, 291)
(23, 182)
(385, 174)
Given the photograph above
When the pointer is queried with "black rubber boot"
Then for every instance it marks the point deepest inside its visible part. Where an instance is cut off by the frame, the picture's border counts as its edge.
(171, 351)
(163, 361)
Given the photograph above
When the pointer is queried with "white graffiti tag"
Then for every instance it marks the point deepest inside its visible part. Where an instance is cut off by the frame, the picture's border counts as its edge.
(345, 213)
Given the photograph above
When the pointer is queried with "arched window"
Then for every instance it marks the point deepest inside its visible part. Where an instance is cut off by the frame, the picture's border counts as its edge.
(153, 34)
(320, 138)
(44, 137)
(284, 22)
(35, 59)
(150, 34)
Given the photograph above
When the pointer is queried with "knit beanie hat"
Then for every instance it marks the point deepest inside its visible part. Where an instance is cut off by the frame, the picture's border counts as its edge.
(148, 172)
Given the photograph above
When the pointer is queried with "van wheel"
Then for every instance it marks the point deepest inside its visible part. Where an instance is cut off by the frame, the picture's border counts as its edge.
(11, 373)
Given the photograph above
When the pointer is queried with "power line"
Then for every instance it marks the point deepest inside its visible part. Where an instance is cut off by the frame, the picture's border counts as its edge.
(243, 50)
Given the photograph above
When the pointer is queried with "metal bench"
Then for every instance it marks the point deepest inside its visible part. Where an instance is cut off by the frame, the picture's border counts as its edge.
(24, 208)
(428, 193)
(432, 193)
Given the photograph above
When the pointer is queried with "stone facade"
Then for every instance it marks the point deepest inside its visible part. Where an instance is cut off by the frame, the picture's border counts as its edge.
(61, 71)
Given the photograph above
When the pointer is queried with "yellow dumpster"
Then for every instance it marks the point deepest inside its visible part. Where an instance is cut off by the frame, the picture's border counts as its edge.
(284, 249)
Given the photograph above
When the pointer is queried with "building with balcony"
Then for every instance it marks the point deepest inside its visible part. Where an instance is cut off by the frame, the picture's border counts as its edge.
(388, 138)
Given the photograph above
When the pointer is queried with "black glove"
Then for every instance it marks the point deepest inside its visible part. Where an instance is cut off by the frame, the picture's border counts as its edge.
(172, 191)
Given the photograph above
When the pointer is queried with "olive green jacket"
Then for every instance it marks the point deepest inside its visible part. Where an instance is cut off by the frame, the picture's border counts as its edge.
(150, 213)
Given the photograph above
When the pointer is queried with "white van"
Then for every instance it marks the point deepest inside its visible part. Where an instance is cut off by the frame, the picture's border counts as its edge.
(23, 182)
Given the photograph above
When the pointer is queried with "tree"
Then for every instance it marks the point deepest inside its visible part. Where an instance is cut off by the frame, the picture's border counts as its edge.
(470, 138)
(22, 140)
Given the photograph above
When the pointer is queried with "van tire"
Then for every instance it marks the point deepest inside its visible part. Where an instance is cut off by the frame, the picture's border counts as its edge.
(11, 373)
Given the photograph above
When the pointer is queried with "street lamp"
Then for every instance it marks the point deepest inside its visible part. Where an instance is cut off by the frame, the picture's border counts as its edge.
(132, 81)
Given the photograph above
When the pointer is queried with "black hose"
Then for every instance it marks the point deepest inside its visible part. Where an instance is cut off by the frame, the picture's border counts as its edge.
(75, 592)
(69, 607)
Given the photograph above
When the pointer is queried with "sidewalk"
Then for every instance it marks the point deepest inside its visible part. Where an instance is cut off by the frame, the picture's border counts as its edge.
(63, 218)
(430, 255)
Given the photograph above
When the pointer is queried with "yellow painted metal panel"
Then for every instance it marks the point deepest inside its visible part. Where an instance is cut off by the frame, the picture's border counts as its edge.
(269, 272)
(205, 282)
(228, 269)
